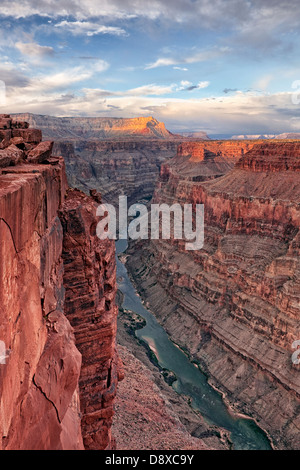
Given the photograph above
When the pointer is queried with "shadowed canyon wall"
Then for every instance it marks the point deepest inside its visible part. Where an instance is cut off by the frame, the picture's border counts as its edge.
(48, 398)
(113, 156)
(235, 304)
(115, 168)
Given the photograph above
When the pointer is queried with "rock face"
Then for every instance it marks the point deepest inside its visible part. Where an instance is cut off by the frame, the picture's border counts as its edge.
(115, 168)
(202, 161)
(215, 149)
(97, 128)
(90, 284)
(40, 372)
(235, 304)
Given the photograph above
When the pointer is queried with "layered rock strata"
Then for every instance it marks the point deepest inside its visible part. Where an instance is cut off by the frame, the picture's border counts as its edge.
(115, 156)
(90, 285)
(98, 128)
(40, 365)
(115, 168)
(235, 304)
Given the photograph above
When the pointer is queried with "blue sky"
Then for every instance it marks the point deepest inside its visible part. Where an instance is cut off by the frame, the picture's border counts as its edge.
(212, 65)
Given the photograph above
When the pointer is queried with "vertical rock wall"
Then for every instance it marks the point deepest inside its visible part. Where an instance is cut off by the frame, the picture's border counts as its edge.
(90, 283)
(40, 361)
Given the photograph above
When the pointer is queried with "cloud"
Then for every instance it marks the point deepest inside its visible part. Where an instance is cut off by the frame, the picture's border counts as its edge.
(163, 62)
(263, 82)
(184, 69)
(188, 86)
(152, 89)
(13, 76)
(200, 56)
(229, 90)
(148, 90)
(68, 77)
(34, 50)
(266, 17)
(239, 113)
(88, 28)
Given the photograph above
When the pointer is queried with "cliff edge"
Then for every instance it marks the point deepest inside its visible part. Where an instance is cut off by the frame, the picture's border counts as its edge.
(44, 367)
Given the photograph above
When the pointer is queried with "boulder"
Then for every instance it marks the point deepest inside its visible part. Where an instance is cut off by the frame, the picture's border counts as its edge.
(40, 153)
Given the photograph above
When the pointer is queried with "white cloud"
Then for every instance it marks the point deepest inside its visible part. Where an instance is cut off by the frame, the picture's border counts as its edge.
(211, 13)
(242, 113)
(162, 62)
(185, 83)
(88, 28)
(66, 78)
(204, 84)
(35, 50)
(200, 56)
(151, 89)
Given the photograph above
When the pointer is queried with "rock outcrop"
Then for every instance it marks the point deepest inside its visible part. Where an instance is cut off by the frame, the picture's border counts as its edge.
(42, 370)
(235, 304)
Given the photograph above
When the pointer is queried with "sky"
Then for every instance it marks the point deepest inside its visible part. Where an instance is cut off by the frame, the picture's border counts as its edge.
(219, 66)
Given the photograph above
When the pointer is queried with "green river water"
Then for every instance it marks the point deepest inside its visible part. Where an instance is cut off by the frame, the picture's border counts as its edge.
(245, 434)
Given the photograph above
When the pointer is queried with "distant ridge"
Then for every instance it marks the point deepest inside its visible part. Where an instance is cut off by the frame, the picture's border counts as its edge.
(97, 128)
(286, 136)
(195, 135)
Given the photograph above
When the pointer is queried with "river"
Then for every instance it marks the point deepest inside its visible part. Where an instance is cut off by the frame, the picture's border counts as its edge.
(245, 434)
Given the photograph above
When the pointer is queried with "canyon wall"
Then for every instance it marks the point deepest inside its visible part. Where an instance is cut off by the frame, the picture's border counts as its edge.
(114, 156)
(115, 168)
(90, 284)
(97, 128)
(46, 374)
(235, 304)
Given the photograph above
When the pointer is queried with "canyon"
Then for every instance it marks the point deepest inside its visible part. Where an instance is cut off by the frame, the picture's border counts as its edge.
(233, 306)
(113, 156)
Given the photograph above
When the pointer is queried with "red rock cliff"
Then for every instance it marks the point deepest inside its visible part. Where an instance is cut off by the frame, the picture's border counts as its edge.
(235, 303)
(90, 283)
(41, 368)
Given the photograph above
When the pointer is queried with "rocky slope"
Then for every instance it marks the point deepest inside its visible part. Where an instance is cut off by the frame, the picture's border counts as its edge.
(235, 303)
(138, 423)
(145, 418)
(44, 378)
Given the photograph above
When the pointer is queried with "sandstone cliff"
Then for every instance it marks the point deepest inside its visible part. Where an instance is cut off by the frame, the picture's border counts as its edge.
(90, 284)
(235, 303)
(46, 373)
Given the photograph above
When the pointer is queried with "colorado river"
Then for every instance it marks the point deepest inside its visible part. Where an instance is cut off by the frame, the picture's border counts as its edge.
(191, 382)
